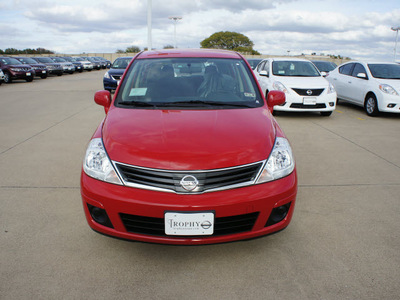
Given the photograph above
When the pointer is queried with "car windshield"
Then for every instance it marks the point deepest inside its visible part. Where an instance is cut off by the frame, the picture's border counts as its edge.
(294, 68)
(27, 60)
(253, 62)
(44, 59)
(324, 66)
(385, 71)
(121, 63)
(59, 59)
(10, 61)
(187, 83)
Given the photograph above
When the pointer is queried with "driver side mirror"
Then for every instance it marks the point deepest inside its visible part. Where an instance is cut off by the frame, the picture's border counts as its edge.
(275, 98)
(103, 98)
(362, 75)
(264, 73)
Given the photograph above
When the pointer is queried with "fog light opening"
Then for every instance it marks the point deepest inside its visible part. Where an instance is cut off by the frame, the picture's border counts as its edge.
(99, 215)
(278, 214)
(391, 105)
(331, 104)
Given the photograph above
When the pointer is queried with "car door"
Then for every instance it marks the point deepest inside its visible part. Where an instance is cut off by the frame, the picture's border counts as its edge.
(358, 84)
(341, 80)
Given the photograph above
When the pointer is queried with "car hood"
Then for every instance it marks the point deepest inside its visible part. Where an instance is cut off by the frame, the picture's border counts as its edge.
(116, 71)
(188, 139)
(303, 82)
(20, 66)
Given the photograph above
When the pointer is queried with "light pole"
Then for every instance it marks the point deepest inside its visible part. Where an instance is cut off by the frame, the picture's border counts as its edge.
(149, 8)
(395, 45)
(175, 19)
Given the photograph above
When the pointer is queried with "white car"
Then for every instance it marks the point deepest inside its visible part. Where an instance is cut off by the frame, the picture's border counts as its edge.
(374, 86)
(306, 90)
(1, 76)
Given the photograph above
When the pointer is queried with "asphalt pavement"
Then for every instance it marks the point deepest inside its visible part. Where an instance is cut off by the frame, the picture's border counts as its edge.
(343, 241)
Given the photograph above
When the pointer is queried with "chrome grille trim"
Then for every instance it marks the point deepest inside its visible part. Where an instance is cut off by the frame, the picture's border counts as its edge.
(169, 180)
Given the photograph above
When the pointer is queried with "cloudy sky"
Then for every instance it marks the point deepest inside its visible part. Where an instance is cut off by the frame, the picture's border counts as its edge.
(359, 29)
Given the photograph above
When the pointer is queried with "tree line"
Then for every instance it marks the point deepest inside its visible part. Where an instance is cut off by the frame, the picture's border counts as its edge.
(12, 51)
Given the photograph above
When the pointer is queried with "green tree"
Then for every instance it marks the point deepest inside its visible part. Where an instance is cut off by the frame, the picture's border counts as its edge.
(132, 49)
(230, 41)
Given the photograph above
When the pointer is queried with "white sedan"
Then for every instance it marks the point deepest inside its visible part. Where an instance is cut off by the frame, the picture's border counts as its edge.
(374, 86)
(304, 87)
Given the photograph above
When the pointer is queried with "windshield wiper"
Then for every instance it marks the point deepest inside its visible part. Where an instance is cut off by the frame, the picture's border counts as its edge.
(138, 103)
(204, 102)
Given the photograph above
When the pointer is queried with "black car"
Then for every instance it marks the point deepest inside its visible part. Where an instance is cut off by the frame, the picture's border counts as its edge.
(324, 66)
(14, 69)
(52, 67)
(96, 64)
(78, 65)
(40, 69)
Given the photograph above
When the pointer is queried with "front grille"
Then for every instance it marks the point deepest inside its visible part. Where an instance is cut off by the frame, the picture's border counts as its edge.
(222, 226)
(171, 180)
(309, 92)
(116, 77)
(301, 105)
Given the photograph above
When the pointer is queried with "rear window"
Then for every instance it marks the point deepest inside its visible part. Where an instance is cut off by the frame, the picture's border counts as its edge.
(189, 83)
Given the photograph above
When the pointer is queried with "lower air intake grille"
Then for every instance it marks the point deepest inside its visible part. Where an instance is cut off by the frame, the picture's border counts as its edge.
(222, 226)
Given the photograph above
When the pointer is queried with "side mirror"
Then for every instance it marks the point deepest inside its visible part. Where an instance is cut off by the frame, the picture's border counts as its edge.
(275, 98)
(362, 75)
(264, 73)
(103, 98)
(324, 74)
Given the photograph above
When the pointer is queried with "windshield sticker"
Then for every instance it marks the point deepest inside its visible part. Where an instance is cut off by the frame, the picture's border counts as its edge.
(138, 92)
(249, 95)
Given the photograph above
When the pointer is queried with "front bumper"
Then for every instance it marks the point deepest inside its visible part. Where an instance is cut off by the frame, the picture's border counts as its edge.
(322, 103)
(256, 204)
(388, 103)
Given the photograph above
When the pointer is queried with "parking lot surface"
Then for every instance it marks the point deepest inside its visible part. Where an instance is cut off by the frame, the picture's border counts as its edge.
(343, 242)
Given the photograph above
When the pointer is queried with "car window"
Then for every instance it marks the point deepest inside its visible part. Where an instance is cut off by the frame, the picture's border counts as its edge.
(188, 83)
(385, 71)
(260, 66)
(294, 68)
(358, 68)
(346, 69)
(10, 61)
(121, 63)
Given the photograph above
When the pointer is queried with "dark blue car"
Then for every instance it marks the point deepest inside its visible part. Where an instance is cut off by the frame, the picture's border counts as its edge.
(113, 76)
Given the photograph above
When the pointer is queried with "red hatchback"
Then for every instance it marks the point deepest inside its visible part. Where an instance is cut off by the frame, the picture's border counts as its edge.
(188, 153)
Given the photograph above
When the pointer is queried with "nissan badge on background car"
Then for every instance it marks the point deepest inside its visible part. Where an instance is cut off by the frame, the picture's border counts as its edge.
(188, 153)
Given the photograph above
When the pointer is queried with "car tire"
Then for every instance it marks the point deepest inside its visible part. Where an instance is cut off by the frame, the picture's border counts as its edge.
(29, 79)
(7, 77)
(43, 76)
(326, 113)
(59, 74)
(371, 105)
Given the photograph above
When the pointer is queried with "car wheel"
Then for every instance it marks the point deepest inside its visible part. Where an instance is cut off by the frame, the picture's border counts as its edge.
(7, 77)
(326, 113)
(371, 106)
(59, 74)
(29, 79)
(43, 76)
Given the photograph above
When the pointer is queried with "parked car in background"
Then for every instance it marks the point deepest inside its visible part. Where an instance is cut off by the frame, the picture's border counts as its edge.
(374, 86)
(40, 69)
(67, 66)
(14, 69)
(188, 156)
(52, 67)
(106, 62)
(253, 62)
(324, 66)
(1, 77)
(87, 65)
(78, 65)
(305, 88)
(113, 76)
(96, 64)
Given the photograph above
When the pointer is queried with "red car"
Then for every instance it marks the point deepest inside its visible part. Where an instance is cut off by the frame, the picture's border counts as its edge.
(188, 153)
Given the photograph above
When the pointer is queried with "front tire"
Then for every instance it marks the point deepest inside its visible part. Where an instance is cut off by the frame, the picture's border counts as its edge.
(326, 113)
(7, 77)
(371, 106)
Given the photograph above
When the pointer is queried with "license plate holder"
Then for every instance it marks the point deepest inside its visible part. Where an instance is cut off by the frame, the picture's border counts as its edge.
(309, 100)
(189, 223)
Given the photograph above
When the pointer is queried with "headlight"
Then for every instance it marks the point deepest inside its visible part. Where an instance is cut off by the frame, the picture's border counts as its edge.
(388, 89)
(331, 88)
(107, 75)
(97, 163)
(280, 87)
(280, 162)
(15, 69)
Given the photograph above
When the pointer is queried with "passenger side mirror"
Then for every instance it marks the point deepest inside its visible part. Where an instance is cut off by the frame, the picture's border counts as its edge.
(275, 98)
(264, 73)
(362, 75)
(324, 74)
(103, 98)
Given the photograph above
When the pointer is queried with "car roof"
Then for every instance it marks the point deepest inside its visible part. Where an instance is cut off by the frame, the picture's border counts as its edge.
(288, 59)
(175, 53)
